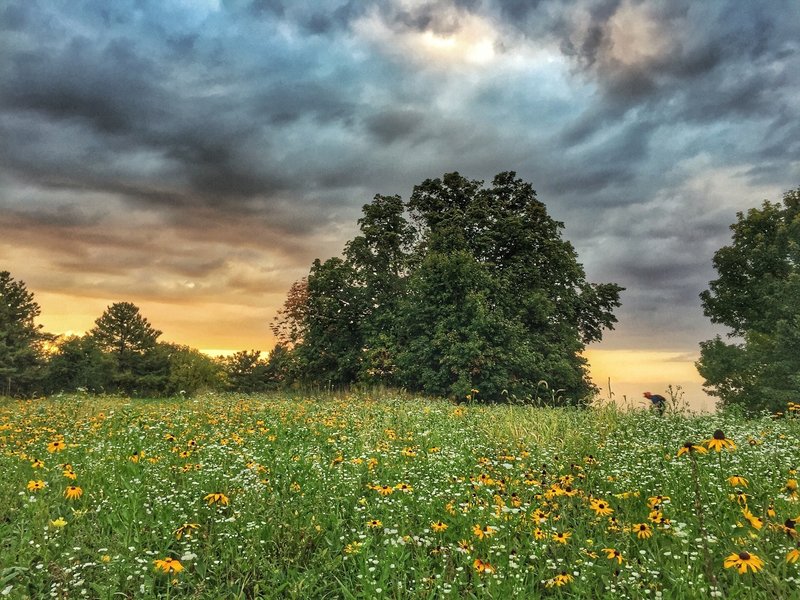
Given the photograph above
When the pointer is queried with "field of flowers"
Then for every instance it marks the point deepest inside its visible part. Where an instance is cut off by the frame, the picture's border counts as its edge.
(390, 497)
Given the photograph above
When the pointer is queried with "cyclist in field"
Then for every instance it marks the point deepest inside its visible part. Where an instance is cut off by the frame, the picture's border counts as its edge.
(657, 403)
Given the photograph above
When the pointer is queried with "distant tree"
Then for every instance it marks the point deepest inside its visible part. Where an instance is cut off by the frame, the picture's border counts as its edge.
(757, 296)
(78, 363)
(281, 368)
(289, 325)
(331, 351)
(246, 371)
(21, 339)
(189, 371)
(128, 337)
(476, 291)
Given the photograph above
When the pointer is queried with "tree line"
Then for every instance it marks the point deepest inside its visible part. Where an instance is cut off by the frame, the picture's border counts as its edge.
(120, 355)
(463, 291)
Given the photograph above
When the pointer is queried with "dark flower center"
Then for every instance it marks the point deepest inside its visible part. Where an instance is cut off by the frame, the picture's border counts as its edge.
(789, 524)
(688, 445)
(719, 435)
(744, 556)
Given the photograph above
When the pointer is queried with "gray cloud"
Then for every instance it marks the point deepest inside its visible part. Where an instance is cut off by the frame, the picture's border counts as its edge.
(203, 138)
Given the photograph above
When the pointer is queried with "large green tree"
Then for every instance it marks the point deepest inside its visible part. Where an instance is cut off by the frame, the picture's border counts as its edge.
(463, 287)
(130, 339)
(21, 339)
(757, 296)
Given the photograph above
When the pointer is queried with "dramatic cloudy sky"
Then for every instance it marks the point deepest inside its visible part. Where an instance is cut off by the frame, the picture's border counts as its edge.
(194, 156)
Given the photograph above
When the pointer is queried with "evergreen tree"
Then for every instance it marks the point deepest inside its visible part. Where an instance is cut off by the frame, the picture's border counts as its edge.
(21, 339)
(246, 371)
(128, 337)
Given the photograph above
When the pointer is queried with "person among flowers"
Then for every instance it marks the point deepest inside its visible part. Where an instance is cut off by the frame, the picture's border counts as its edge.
(657, 403)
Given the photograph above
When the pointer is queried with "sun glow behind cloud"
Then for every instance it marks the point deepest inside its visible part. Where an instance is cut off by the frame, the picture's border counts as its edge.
(464, 40)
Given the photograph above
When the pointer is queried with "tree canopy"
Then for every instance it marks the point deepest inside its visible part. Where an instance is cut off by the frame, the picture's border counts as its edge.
(21, 338)
(464, 287)
(757, 296)
(128, 337)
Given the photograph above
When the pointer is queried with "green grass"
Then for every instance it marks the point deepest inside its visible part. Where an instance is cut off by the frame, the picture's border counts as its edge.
(302, 479)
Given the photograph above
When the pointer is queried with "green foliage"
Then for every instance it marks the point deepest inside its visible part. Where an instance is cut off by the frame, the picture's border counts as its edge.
(330, 353)
(123, 333)
(79, 364)
(21, 340)
(246, 371)
(757, 295)
(476, 289)
(189, 371)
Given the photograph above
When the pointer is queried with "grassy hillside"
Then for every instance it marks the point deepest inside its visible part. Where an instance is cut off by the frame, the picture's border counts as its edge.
(360, 497)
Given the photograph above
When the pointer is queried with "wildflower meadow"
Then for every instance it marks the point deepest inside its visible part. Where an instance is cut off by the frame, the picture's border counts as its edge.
(390, 496)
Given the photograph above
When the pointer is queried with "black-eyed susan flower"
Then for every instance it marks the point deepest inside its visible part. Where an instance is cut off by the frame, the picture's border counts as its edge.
(793, 556)
(743, 561)
(438, 527)
(719, 441)
(168, 565)
(186, 530)
(562, 537)
(737, 481)
(56, 446)
(464, 546)
(482, 566)
(36, 485)
(613, 524)
(790, 489)
(559, 580)
(216, 498)
(353, 548)
(613, 554)
(384, 490)
(754, 521)
(404, 487)
(374, 523)
(642, 530)
(654, 501)
(73, 492)
(691, 447)
(538, 516)
(740, 497)
(37, 464)
(601, 507)
(482, 532)
(790, 528)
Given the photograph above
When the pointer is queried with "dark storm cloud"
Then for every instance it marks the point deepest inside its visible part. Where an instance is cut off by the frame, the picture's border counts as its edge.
(263, 125)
